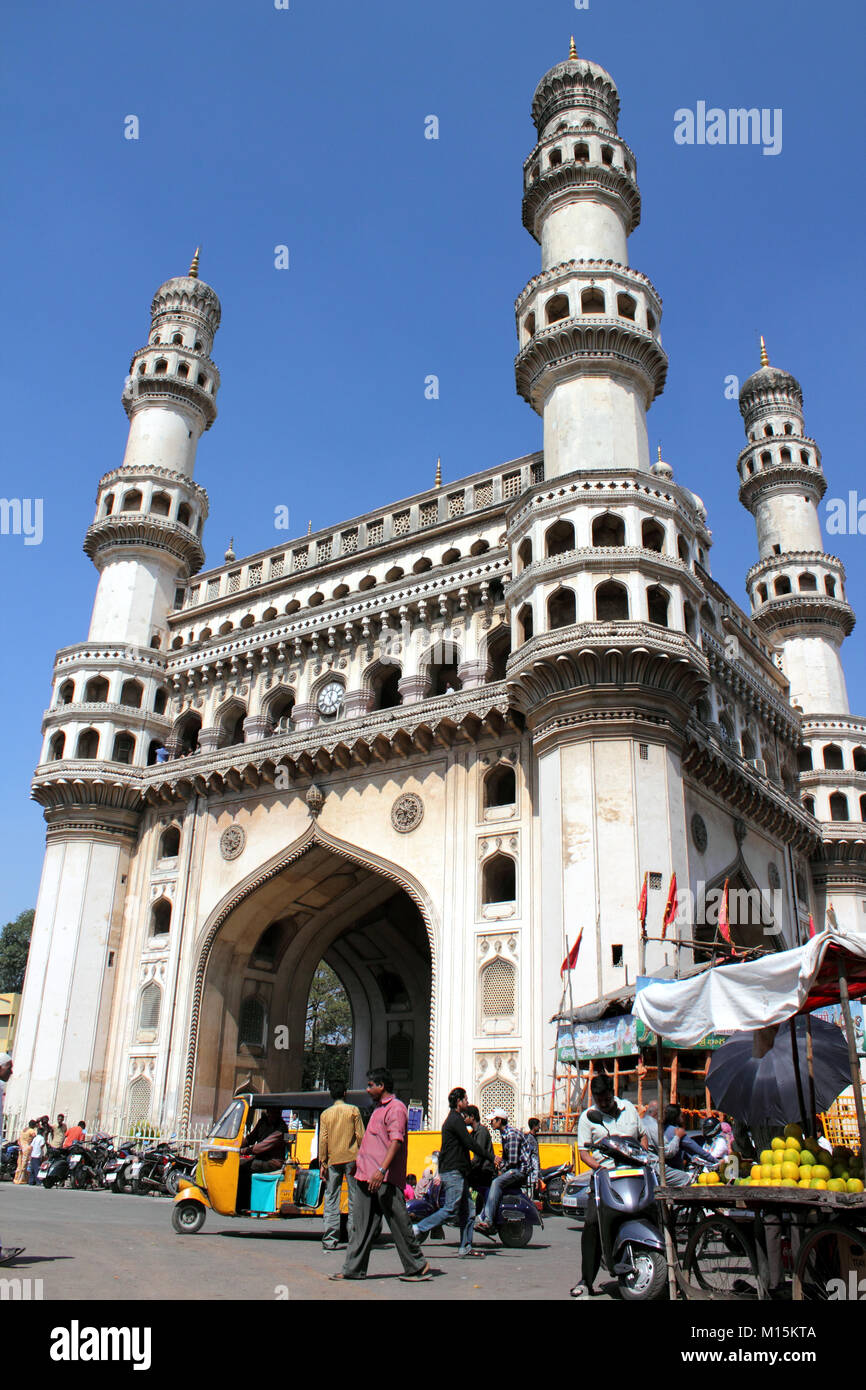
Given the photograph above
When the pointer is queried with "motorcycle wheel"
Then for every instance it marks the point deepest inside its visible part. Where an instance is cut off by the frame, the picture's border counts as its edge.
(172, 1181)
(119, 1184)
(515, 1236)
(187, 1218)
(649, 1280)
(553, 1196)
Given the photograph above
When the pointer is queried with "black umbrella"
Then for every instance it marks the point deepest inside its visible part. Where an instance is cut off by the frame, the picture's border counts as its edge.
(763, 1090)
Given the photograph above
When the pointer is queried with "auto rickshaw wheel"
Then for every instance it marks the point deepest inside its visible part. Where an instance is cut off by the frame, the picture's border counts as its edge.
(187, 1217)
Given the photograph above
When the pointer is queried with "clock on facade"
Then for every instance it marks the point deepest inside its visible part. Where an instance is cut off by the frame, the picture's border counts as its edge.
(330, 700)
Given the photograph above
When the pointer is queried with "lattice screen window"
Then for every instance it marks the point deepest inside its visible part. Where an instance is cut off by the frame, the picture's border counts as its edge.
(138, 1101)
(484, 494)
(401, 523)
(537, 472)
(277, 566)
(299, 559)
(213, 588)
(323, 551)
(234, 582)
(349, 542)
(148, 1009)
(251, 1026)
(429, 513)
(254, 574)
(375, 532)
(456, 504)
(498, 993)
(192, 596)
(497, 1094)
(511, 485)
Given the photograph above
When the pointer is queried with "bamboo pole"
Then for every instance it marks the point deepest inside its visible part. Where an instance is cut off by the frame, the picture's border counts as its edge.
(795, 1052)
(670, 1253)
(810, 1059)
(853, 1059)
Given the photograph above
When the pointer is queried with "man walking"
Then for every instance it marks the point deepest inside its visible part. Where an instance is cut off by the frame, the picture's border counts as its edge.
(380, 1174)
(341, 1130)
(455, 1160)
(8, 1253)
(511, 1166)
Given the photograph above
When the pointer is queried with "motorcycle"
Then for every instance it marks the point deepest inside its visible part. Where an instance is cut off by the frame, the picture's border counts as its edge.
(54, 1170)
(632, 1245)
(515, 1219)
(116, 1175)
(552, 1187)
(147, 1172)
(179, 1166)
(8, 1160)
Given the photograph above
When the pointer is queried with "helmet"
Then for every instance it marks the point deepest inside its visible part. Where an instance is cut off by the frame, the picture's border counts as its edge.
(711, 1127)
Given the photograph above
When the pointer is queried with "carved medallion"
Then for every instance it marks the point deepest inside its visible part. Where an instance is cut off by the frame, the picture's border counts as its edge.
(699, 833)
(232, 842)
(407, 812)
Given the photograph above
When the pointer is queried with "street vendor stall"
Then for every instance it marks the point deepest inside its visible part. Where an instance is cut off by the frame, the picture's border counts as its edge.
(728, 1230)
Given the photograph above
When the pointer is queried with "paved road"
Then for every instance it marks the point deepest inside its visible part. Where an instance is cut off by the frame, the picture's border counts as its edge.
(98, 1245)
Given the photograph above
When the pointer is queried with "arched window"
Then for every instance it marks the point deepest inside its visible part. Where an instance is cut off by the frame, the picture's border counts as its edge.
(830, 585)
(625, 306)
(385, 684)
(131, 501)
(56, 747)
(768, 431)
(804, 759)
(152, 749)
(161, 367)
(442, 675)
(267, 946)
(184, 514)
(653, 536)
(608, 530)
(658, 601)
(611, 602)
(561, 609)
(839, 806)
(160, 918)
(555, 158)
(529, 325)
(592, 302)
(748, 745)
(833, 760)
(160, 504)
(708, 617)
(96, 691)
(498, 991)
(88, 744)
(807, 584)
(183, 370)
(251, 1024)
(280, 713)
(525, 623)
(581, 153)
(498, 652)
(559, 539)
(131, 693)
(500, 786)
(524, 555)
(169, 843)
(606, 155)
(186, 734)
(124, 748)
(160, 700)
(689, 619)
(138, 1102)
(498, 1095)
(231, 725)
(726, 724)
(650, 321)
(499, 880)
(177, 338)
(809, 804)
(66, 693)
(782, 586)
(148, 1009)
(863, 808)
(557, 308)
(859, 756)
(762, 593)
(107, 503)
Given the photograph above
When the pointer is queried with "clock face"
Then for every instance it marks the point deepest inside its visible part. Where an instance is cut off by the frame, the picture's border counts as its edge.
(330, 699)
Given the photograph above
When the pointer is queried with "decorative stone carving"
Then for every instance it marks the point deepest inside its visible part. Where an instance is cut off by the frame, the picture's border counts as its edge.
(232, 842)
(699, 833)
(315, 800)
(407, 812)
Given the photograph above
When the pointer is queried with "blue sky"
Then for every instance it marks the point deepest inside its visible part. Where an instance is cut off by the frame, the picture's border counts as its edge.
(305, 127)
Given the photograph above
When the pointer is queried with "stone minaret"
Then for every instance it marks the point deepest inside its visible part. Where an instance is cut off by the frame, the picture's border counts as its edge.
(591, 360)
(109, 708)
(798, 597)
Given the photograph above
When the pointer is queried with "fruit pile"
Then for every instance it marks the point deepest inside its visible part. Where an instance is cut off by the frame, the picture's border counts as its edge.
(792, 1161)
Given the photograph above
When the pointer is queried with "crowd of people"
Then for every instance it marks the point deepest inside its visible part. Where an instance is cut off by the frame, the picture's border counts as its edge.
(35, 1140)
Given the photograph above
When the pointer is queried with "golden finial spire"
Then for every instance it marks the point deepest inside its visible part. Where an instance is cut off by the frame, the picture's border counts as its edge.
(572, 51)
(193, 269)
(660, 453)
(765, 361)
(309, 528)
(437, 481)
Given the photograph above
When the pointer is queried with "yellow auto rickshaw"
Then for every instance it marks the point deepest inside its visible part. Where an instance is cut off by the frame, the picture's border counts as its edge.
(293, 1190)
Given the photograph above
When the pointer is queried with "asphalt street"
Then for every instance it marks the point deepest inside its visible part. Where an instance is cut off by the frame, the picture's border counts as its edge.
(99, 1245)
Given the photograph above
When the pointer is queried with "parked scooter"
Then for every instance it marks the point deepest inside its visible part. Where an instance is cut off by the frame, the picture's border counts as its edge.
(116, 1174)
(632, 1245)
(552, 1186)
(54, 1170)
(8, 1160)
(514, 1222)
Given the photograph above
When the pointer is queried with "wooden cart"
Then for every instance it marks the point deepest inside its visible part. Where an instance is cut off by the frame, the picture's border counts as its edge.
(749, 1217)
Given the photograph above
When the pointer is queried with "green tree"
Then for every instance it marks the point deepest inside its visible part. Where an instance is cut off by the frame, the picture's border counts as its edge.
(327, 1032)
(14, 945)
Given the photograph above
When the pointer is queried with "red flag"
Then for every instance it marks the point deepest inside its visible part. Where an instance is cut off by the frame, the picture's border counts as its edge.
(811, 925)
(724, 922)
(671, 906)
(642, 902)
(571, 959)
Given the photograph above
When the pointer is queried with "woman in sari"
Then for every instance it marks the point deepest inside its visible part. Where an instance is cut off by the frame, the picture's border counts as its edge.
(25, 1141)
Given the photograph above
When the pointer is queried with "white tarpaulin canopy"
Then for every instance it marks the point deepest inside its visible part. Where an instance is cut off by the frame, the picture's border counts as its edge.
(734, 998)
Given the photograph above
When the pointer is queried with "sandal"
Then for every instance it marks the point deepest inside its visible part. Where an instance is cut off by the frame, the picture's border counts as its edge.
(426, 1273)
(582, 1291)
(10, 1253)
(348, 1277)
(470, 1254)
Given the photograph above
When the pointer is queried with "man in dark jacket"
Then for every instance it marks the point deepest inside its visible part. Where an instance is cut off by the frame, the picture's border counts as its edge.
(483, 1170)
(455, 1160)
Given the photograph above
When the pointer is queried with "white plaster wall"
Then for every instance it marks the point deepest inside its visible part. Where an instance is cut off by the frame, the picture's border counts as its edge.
(584, 229)
(133, 597)
(814, 669)
(594, 422)
(164, 436)
(789, 520)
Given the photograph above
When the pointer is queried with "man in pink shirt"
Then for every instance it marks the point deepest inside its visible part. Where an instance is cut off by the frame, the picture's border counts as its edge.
(380, 1174)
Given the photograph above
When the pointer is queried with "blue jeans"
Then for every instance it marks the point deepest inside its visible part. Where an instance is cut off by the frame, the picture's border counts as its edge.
(503, 1183)
(455, 1204)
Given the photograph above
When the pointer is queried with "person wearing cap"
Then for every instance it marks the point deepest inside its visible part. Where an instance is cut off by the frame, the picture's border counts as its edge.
(455, 1161)
(511, 1166)
(7, 1252)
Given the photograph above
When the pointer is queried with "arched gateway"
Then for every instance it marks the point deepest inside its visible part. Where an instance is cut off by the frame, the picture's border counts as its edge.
(320, 899)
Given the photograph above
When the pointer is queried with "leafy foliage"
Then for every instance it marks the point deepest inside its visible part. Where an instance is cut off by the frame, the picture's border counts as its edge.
(327, 1031)
(14, 945)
